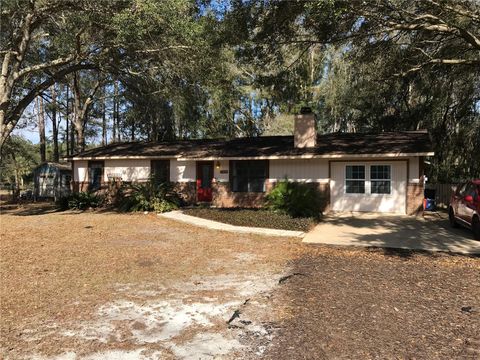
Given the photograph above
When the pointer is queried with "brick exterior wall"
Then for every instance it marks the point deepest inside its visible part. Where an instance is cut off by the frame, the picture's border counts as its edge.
(79, 186)
(83, 186)
(187, 191)
(221, 193)
(415, 193)
(324, 194)
(414, 198)
(224, 197)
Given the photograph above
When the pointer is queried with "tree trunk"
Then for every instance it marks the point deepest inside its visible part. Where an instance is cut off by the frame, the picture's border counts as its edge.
(72, 137)
(67, 120)
(13, 76)
(69, 129)
(77, 125)
(115, 129)
(153, 129)
(81, 110)
(80, 138)
(78, 117)
(41, 128)
(104, 118)
(16, 187)
(114, 123)
(56, 155)
(4, 130)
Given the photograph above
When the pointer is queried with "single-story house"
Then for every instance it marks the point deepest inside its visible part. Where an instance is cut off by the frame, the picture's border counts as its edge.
(354, 172)
(52, 180)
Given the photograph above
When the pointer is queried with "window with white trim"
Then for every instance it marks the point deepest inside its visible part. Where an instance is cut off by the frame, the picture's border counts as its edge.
(160, 171)
(355, 179)
(380, 179)
(248, 175)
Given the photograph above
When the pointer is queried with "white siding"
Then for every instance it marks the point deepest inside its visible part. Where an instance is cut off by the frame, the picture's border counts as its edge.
(128, 170)
(217, 172)
(413, 170)
(395, 202)
(139, 170)
(308, 170)
(185, 171)
(182, 171)
(80, 171)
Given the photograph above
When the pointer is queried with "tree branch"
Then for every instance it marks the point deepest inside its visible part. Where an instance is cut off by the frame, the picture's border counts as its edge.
(455, 10)
(149, 51)
(443, 27)
(14, 114)
(53, 63)
(414, 69)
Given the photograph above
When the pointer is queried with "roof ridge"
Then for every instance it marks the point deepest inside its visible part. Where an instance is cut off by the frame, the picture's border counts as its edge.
(399, 142)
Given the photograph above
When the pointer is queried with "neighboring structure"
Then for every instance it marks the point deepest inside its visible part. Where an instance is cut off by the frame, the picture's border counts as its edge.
(52, 180)
(353, 172)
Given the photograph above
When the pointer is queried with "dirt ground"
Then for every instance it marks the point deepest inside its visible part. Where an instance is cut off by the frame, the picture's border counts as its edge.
(379, 304)
(98, 285)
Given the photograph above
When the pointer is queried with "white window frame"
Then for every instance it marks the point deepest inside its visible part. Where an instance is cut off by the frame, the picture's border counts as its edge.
(348, 179)
(367, 179)
(370, 179)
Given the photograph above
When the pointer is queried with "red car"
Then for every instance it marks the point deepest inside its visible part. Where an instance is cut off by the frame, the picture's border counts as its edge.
(464, 207)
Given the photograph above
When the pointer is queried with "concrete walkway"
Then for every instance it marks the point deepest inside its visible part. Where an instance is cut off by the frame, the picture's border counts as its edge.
(215, 225)
(402, 232)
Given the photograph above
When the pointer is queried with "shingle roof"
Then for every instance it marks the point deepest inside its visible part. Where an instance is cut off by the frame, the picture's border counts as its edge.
(60, 165)
(408, 142)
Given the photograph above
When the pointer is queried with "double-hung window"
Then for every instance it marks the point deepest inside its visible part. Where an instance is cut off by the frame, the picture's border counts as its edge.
(160, 171)
(95, 175)
(248, 175)
(380, 179)
(355, 179)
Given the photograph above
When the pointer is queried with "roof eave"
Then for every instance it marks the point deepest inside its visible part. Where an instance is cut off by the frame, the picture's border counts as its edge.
(309, 156)
(261, 157)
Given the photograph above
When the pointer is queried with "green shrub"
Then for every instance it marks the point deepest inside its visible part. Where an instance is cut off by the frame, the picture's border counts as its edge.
(80, 201)
(161, 206)
(295, 199)
(149, 197)
(62, 203)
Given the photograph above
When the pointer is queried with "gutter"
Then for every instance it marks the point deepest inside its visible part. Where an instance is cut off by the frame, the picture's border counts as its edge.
(274, 157)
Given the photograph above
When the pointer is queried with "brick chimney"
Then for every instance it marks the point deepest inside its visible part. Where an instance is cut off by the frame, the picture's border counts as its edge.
(305, 129)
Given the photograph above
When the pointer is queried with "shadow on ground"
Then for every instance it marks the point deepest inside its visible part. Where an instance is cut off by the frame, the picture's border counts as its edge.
(359, 304)
(29, 209)
(45, 208)
(432, 233)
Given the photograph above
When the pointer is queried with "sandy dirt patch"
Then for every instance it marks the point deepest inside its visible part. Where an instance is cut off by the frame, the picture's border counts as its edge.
(189, 321)
(118, 286)
(107, 285)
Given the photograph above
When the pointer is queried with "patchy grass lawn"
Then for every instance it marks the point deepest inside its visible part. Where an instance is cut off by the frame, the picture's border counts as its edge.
(109, 286)
(379, 304)
(253, 218)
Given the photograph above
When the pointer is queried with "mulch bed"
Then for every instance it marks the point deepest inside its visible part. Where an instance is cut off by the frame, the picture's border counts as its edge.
(253, 218)
(379, 304)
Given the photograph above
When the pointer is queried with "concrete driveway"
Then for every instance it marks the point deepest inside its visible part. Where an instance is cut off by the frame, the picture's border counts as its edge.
(432, 233)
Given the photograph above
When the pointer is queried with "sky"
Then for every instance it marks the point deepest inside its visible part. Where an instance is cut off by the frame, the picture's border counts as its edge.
(30, 132)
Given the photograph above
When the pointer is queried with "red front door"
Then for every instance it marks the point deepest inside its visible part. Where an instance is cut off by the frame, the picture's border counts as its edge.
(204, 180)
